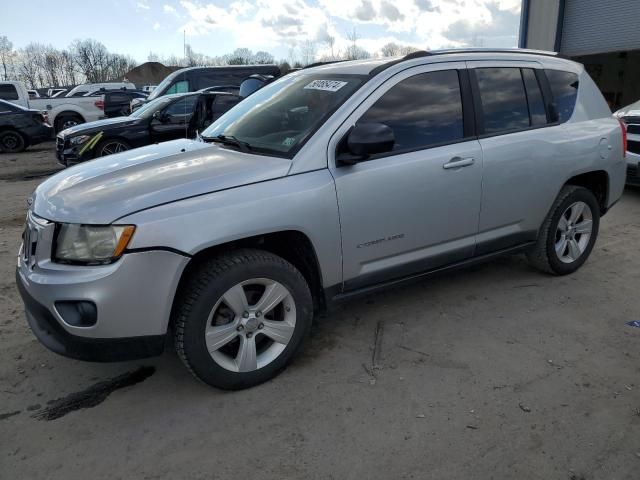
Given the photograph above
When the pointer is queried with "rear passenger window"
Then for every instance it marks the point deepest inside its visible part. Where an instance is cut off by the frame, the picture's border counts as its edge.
(8, 92)
(534, 96)
(423, 110)
(504, 102)
(564, 88)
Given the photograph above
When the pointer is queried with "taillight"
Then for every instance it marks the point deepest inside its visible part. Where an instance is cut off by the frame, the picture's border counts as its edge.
(624, 137)
(99, 104)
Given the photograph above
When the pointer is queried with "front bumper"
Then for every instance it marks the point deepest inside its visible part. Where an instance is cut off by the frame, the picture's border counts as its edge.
(633, 169)
(48, 330)
(133, 298)
(68, 155)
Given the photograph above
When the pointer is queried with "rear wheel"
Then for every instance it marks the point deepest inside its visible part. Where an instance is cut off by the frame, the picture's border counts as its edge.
(65, 121)
(568, 233)
(12, 142)
(241, 318)
(111, 146)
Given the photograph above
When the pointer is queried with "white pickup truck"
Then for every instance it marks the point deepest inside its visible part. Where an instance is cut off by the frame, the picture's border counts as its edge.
(64, 112)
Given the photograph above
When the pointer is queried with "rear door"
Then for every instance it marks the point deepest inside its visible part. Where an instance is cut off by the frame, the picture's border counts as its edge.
(518, 152)
(417, 207)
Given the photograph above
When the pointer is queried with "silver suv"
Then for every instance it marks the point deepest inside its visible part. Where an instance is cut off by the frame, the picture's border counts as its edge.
(332, 181)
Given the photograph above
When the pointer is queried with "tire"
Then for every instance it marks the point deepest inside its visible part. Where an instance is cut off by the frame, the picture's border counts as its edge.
(65, 121)
(205, 305)
(12, 142)
(111, 146)
(564, 243)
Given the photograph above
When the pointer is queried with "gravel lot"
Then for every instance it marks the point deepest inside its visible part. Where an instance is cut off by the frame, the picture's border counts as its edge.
(493, 372)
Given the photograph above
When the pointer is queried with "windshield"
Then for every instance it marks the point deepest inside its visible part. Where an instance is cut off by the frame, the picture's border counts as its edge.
(280, 117)
(159, 90)
(148, 109)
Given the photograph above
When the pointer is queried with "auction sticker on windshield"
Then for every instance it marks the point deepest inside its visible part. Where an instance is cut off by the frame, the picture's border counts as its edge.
(326, 85)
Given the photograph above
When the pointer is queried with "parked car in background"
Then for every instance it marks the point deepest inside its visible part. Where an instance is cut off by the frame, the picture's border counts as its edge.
(22, 127)
(328, 183)
(63, 112)
(118, 103)
(33, 94)
(193, 79)
(166, 118)
(630, 115)
(83, 90)
(53, 92)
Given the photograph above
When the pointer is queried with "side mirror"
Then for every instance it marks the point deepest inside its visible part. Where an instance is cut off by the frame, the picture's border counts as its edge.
(161, 117)
(366, 139)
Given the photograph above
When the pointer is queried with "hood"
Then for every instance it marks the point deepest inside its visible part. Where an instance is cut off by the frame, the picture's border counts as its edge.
(102, 190)
(91, 127)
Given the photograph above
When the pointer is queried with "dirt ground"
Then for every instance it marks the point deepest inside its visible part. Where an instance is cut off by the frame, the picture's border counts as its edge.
(497, 372)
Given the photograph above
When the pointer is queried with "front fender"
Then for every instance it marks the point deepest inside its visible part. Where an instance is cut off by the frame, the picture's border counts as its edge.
(306, 203)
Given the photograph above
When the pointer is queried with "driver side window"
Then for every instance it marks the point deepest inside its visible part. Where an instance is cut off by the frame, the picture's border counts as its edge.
(184, 106)
(423, 111)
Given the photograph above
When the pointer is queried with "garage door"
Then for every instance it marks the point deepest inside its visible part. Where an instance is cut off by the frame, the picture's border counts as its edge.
(598, 26)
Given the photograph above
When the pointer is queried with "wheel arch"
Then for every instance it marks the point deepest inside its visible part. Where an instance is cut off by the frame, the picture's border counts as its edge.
(61, 114)
(292, 245)
(597, 181)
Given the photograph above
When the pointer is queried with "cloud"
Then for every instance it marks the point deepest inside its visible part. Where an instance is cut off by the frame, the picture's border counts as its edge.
(365, 11)
(288, 24)
(389, 11)
(143, 6)
(156, 26)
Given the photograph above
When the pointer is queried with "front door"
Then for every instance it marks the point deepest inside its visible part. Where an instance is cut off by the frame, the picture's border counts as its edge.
(175, 120)
(417, 207)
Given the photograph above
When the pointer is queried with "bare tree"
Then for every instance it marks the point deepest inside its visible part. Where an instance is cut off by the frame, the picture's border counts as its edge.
(353, 51)
(331, 41)
(7, 56)
(263, 58)
(240, 56)
(308, 52)
(92, 59)
(391, 49)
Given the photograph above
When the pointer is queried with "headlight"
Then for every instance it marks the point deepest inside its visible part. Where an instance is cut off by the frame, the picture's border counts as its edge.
(89, 244)
(79, 140)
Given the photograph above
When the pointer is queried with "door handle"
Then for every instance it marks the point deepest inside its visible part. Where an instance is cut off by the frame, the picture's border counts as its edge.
(458, 162)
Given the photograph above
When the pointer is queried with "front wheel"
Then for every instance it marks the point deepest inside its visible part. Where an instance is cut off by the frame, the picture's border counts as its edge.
(241, 317)
(568, 233)
(111, 146)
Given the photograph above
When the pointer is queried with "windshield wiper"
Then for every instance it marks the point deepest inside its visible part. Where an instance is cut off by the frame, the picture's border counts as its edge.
(230, 140)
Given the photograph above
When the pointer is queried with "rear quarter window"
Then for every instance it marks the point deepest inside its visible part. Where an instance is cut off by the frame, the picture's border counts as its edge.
(8, 92)
(564, 88)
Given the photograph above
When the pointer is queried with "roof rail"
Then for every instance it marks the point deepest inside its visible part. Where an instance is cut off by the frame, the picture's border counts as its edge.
(428, 53)
(318, 64)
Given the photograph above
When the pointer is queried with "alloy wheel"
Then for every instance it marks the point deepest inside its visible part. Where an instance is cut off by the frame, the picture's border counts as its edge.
(251, 325)
(113, 147)
(573, 232)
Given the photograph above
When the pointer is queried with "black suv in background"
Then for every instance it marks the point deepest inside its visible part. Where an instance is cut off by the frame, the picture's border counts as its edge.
(196, 78)
(165, 118)
(21, 127)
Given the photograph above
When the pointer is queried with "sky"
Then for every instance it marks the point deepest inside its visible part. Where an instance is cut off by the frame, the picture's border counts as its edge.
(281, 27)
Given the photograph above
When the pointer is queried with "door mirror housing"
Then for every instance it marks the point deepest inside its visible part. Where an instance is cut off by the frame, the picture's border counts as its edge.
(161, 117)
(366, 139)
